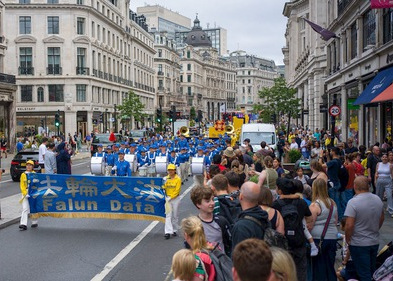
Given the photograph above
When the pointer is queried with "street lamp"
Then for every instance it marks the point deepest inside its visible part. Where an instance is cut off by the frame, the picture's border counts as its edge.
(106, 120)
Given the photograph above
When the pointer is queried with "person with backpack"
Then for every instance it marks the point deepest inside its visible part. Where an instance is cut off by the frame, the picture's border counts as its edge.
(338, 176)
(217, 229)
(293, 211)
(216, 264)
(252, 221)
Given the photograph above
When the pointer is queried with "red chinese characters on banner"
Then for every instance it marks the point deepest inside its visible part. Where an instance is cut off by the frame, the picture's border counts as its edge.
(381, 4)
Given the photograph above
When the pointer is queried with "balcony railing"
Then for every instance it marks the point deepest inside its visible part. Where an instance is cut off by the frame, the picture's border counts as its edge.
(82, 71)
(6, 78)
(26, 70)
(160, 73)
(54, 70)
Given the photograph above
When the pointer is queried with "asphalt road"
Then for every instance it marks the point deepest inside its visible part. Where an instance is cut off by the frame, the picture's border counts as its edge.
(83, 249)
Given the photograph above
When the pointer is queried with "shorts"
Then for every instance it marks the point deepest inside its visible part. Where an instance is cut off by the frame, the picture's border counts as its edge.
(3, 148)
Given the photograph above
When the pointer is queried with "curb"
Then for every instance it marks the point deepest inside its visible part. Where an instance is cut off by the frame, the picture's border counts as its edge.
(8, 223)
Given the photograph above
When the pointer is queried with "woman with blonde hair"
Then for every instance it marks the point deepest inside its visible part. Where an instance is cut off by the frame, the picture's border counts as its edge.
(283, 266)
(196, 240)
(324, 231)
(239, 169)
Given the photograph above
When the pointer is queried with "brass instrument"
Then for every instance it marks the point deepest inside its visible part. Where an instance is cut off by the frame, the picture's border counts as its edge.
(184, 131)
(229, 129)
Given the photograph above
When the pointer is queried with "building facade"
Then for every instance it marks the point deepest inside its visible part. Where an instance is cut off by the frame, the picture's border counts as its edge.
(305, 59)
(167, 65)
(355, 60)
(161, 19)
(7, 89)
(253, 74)
(78, 58)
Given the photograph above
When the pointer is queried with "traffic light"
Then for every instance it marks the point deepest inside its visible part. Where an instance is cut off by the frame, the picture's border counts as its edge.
(200, 117)
(101, 118)
(42, 123)
(273, 118)
(159, 115)
(57, 119)
(173, 111)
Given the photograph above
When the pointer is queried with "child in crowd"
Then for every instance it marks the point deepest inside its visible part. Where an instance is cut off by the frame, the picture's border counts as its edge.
(300, 176)
(348, 271)
(184, 265)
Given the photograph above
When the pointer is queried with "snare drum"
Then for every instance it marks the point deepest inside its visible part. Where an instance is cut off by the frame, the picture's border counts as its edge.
(142, 171)
(97, 166)
(131, 158)
(151, 169)
(161, 164)
(197, 166)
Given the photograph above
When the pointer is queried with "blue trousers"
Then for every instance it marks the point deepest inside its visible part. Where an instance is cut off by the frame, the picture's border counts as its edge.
(323, 263)
(364, 259)
(338, 198)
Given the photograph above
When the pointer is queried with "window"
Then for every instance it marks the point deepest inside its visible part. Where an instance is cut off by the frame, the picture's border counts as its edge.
(40, 94)
(24, 1)
(53, 1)
(93, 29)
(25, 61)
(80, 26)
(81, 61)
(24, 25)
(159, 53)
(189, 66)
(188, 54)
(189, 90)
(79, 2)
(354, 41)
(56, 93)
(369, 24)
(54, 60)
(387, 25)
(188, 78)
(26, 93)
(53, 25)
(181, 78)
(81, 93)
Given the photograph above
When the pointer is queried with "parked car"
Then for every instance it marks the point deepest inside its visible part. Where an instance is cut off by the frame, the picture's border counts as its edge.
(18, 164)
(138, 134)
(104, 140)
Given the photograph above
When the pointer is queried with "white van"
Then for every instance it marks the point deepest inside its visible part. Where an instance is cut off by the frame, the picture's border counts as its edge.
(258, 132)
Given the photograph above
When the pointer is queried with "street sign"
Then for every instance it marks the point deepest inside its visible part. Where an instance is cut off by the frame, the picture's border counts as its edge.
(306, 111)
(334, 110)
(323, 108)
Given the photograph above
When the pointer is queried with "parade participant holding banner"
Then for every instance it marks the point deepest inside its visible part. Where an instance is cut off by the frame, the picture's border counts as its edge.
(25, 202)
(122, 167)
(172, 187)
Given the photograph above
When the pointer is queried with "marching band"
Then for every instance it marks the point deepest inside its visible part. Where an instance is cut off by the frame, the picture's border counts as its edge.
(150, 157)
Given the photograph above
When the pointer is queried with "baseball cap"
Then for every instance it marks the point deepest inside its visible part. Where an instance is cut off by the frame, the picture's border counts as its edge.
(171, 167)
(31, 162)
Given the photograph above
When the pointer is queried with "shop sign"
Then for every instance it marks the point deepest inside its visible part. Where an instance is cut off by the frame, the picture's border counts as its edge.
(25, 109)
(351, 106)
(306, 111)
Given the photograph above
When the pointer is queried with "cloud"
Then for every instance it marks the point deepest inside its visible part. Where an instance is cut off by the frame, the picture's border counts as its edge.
(255, 26)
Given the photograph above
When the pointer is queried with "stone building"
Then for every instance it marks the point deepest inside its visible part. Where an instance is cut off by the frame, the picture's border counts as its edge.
(252, 74)
(79, 58)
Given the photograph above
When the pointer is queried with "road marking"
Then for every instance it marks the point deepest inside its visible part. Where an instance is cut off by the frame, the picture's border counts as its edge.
(123, 253)
(73, 165)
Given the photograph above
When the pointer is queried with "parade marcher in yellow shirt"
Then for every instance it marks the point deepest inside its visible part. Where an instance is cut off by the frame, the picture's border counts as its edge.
(25, 201)
(172, 187)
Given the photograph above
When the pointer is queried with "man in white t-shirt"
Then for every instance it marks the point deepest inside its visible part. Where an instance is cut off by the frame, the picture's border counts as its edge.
(294, 144)
(41, 154)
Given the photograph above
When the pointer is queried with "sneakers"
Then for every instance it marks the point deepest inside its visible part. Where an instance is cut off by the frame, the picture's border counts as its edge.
(34, 225)
(22, 227)
(167, 236)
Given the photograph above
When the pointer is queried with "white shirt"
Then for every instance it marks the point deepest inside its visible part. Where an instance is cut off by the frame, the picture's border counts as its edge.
(294, 145)
(41, 153)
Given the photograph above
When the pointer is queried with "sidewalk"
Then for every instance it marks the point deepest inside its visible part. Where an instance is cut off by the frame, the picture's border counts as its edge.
(10, 206)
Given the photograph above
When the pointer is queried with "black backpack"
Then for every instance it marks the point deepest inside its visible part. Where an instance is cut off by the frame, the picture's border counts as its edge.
(343, 175)
(222, 264)
(293, 224)
(229, 208)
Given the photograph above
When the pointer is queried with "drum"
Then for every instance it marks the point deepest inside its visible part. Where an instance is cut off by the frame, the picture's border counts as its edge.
(151, 169)
(161, 164)
(131, 158)
(97, 166)
(142, 171)
(197, 166)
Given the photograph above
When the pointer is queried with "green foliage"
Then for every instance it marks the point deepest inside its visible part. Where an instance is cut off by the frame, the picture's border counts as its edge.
(192, 123)
(132, 106)
(279, 100)
(192, 113)
(294, 155)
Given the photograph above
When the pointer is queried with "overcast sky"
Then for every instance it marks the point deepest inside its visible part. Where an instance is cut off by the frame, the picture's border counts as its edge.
(255, 26)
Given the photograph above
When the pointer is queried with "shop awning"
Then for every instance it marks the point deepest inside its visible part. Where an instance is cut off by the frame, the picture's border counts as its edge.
(385, 95)
(376, 87)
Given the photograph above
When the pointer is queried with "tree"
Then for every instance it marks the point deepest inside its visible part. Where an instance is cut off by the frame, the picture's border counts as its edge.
(132, 106)
(279, 100)
(192, 113)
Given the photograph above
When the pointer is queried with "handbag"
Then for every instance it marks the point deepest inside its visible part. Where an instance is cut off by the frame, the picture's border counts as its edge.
(325, 227)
